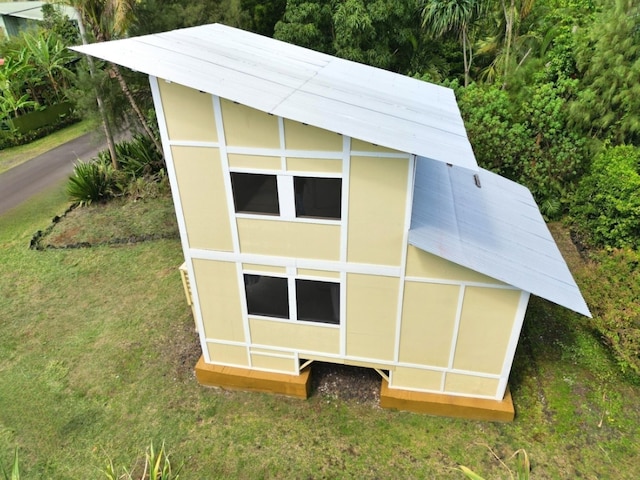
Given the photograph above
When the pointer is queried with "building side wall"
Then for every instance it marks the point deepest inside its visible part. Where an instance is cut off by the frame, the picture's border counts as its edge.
(457, 330)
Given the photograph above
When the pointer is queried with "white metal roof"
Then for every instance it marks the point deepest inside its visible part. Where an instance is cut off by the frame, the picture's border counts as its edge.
(496, 230)
(356, 100)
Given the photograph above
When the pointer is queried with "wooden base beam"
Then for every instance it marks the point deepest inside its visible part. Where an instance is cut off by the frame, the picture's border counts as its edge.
(447, 405)
(246, 379)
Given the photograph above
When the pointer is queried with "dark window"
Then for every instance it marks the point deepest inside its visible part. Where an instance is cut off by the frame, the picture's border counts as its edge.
(267, 296)
(318, 301)
(318, 197)
(255, 193)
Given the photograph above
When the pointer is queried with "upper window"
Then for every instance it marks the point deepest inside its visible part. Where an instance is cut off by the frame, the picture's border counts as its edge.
(318, 197)
(315, 301)
(254, 193)
(287, 196)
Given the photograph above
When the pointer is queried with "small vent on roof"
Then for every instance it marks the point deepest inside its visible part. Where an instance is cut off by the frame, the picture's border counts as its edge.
(476, 179)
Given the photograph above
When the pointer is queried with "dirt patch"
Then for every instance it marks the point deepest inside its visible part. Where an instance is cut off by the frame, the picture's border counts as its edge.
(353, 384)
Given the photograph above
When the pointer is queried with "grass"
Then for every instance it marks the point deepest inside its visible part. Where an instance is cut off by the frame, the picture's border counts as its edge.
(96, 362)
(12, 157)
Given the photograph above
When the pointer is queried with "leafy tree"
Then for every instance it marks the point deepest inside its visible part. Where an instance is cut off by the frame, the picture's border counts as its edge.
(109, 20)
(528, 142)
(308, 23)
(50, 57)
(607, 203)
(443, 16)
(608, 58)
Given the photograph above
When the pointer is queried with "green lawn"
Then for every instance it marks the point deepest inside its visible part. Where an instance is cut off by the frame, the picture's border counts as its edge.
(12, 157)
(96, 360)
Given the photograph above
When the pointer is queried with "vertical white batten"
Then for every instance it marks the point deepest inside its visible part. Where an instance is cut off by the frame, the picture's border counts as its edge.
(344, 239)
(454, 336)
(177, 202)
(403, 259)
(513, 344)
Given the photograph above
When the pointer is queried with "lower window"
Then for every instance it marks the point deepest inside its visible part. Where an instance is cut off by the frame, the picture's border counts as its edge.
(315, 301)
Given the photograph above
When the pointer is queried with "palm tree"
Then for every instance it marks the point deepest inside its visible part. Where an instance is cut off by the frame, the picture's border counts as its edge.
(443, 16)
(109, 20)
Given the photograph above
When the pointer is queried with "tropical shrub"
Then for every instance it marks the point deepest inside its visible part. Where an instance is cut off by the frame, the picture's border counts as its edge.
(138, 157)
(606, 208)
(156, 466)
(91, 182)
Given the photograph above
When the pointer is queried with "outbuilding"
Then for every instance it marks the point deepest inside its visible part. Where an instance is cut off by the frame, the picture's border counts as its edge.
(331, 211)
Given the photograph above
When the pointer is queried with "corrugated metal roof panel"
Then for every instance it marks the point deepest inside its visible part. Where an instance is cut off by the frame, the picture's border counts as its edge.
(496, 230)
(356, 100)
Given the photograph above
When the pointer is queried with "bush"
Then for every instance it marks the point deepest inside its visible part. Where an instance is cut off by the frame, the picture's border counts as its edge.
(612, 287)
(527, 141)
(91, 182)
(139, 158)
(606, 208)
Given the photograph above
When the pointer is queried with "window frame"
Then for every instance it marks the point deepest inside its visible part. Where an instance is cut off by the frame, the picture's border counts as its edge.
(286, 196)
(292, 297)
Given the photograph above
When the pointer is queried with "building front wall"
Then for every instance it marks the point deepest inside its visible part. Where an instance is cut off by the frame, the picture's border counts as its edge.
(402, 310)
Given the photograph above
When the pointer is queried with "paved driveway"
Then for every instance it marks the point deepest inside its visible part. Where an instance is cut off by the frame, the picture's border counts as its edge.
(44, 171)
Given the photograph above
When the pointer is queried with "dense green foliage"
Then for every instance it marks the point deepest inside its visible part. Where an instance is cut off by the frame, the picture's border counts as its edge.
(607, 204)
(612, 287)
(528, 142)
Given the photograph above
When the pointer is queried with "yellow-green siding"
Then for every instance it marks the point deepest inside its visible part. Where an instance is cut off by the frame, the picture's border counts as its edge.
(371, 316)
(295, 336)
(203, 198)
(180, 103)
(247, 127)
(377, 203)
(220, 300)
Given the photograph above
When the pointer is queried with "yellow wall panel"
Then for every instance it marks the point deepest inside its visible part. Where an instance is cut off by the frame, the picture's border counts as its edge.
(228, 354)
(217, 284)
(485, 328)
(248, 127)
(469, 385)
(314, 165)
(264, 268)
(254, 161)
(377, 201)
(371, 316)
(360, 146)
(428, 319)
(415, 378)
(180, 103)
(279, 364)
(318, 273)
(289, 239)
(425, 265)
(298, 136)
(295, 335)
(202, 194)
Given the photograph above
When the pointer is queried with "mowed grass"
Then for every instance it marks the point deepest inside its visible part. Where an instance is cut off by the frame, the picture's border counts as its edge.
(12, 157)
(97, 350)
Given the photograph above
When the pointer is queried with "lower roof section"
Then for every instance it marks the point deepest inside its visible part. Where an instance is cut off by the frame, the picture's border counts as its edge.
(495, 229)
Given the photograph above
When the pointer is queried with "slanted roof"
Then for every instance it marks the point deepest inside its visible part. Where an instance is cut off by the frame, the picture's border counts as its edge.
(32, 10)
(356, 100)
(496, 230)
